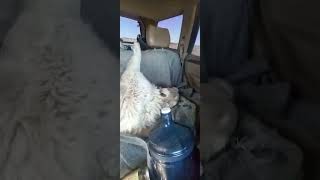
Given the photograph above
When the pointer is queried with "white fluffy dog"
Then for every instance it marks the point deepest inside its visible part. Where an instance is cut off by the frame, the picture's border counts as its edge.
(140, 100)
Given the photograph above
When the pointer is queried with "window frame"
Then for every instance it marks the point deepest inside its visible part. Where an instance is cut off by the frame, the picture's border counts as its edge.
(179, 36)
(194, 32)
(140, 25)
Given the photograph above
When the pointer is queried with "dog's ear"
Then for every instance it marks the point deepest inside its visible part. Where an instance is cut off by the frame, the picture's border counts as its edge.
(174, 89)
(136, 48)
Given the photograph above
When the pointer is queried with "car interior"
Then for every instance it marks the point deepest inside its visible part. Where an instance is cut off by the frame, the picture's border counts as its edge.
(162, 63)
(155, 41)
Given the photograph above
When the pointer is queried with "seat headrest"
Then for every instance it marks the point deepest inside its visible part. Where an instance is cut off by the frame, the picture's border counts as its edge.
(157, 37)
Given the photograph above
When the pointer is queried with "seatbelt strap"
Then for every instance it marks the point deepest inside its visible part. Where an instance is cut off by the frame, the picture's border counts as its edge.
(182, 57)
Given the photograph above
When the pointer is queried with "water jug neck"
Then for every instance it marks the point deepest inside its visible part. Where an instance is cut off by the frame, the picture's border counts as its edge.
(166, 116)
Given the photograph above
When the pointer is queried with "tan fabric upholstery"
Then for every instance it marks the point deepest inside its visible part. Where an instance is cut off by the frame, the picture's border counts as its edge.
(157, 37)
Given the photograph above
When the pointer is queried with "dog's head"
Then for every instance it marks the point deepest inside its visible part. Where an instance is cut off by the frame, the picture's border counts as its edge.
(169, 97)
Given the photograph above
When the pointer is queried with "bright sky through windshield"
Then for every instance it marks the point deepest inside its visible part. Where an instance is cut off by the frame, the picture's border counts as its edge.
(130, 29)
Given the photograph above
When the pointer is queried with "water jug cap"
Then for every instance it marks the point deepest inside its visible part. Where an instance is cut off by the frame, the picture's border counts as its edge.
(165, 110)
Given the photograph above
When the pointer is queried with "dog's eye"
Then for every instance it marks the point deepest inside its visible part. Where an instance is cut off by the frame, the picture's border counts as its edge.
(162, 94)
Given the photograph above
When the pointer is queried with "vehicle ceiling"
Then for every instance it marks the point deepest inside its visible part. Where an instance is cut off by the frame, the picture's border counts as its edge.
(156, 10)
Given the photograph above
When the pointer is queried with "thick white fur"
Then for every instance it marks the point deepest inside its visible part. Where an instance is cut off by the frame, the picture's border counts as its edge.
(140, 100)
(56, 100)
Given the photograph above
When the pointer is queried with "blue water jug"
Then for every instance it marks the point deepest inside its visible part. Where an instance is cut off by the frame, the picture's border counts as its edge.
(172, 151)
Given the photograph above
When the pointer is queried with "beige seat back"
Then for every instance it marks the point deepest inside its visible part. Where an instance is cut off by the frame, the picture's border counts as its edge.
(157, 37)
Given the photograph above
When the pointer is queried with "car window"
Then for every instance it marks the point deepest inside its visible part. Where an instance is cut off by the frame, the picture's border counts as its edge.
(174, 26)
(196, 47)
(129, 29)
